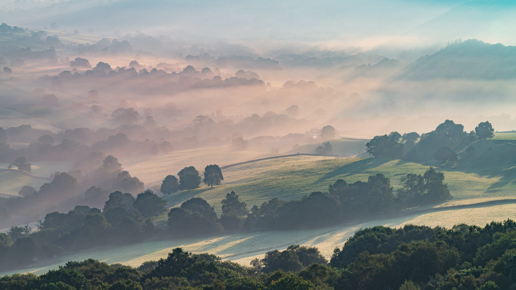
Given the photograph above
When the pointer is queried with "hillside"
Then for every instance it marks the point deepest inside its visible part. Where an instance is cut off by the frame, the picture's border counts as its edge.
(471, 59)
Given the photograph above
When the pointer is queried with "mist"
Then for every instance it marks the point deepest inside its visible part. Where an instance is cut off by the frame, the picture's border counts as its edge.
(107, 98)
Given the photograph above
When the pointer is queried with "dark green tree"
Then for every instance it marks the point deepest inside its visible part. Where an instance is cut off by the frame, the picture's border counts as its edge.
(170, 185)
(436, 190)
(233, 205)
(233, 212)
(25, 250)
(484, 130)
(118, 199)
(189, 178)
(149, 204)
(212, 175)
(386, 146)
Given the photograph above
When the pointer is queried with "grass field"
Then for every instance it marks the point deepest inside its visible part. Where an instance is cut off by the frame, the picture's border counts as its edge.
(505, 136)
(293, 177)
(244, 247)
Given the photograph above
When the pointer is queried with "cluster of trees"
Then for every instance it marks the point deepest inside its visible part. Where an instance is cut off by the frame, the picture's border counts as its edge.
(440, 144)
(78, 143)
(412, 257)
(189, 178)
(123, 219)
(344, 202)
(189, 77)
(90, 186)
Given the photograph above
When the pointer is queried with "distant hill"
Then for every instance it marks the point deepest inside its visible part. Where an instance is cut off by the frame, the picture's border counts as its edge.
(471, 59)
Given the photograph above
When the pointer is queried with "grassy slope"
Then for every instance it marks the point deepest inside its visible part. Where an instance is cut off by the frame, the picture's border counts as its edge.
(292, 177)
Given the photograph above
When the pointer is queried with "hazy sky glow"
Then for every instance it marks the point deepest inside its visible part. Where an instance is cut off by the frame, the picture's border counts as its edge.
(335, 23)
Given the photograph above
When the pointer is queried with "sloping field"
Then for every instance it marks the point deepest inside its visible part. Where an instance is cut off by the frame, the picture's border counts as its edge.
(244, 247)
(293, 177)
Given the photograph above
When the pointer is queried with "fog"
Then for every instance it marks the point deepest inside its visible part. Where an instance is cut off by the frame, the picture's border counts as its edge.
(132, 79)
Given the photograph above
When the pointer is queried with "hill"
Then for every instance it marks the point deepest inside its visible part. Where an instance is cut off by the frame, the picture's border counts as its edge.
(471, 59)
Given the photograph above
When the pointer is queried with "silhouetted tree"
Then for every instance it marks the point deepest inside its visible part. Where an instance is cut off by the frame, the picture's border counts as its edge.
(212, 175)
(484, 130)
(325, 149)
(149, 204)
(170, 185)
(386, 146)
(189, 178)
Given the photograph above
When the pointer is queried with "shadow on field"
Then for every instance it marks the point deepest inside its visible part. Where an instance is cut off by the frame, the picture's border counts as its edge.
(354, 168)
(508, 176)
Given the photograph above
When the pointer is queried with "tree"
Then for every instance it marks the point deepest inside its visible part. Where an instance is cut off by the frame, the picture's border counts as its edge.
(484, 130)
(117, 199)
(232, 205)
(212, 175)
(21, 163)
(27, 190)
(436, 191)
(386, 146)
(170, 185)
(325, 149)
(149, 204)
(328, 132)
(125, 116)
(25, 250)
(189, 178)
(233, 212)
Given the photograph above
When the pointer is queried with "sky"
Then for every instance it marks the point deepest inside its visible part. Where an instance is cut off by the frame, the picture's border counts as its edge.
(367, 24)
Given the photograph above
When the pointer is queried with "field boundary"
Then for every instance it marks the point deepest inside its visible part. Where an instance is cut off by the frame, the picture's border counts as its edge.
(275, 157)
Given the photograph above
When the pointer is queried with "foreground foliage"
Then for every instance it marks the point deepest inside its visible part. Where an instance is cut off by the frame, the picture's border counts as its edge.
(412, 257)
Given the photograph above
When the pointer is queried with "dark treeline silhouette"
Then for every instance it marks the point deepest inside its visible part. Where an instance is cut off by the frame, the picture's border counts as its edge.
(441, 145)
(343, 203)
(124, 219)
(412, 257)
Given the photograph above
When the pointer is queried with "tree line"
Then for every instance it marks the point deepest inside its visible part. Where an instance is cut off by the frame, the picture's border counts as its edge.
(441, 145)
(408, 258)
(343, 202)
(126, 219)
